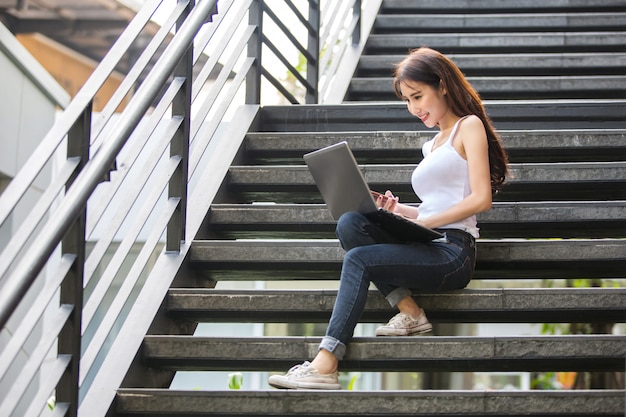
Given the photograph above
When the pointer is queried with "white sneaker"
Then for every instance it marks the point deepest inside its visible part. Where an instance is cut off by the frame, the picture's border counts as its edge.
(305, 377)
(403, 324)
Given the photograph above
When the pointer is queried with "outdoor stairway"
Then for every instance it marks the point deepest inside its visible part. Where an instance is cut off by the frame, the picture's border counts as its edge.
(508, 50)
(562, 217)
(292, 239)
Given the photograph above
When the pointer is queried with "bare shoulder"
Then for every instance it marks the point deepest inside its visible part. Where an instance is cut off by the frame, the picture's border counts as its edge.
(472, 136)
(473, 125)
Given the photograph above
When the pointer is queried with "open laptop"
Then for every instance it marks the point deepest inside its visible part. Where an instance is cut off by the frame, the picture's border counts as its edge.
(344, 189)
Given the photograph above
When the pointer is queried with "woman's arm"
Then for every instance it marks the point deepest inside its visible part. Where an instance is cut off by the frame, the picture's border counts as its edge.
(471, 144)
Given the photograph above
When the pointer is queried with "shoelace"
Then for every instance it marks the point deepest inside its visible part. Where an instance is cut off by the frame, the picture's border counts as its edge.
(400, 319)
(299, 370)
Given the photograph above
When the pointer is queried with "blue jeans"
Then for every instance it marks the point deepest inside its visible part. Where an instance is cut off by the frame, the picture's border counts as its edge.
(395, 268)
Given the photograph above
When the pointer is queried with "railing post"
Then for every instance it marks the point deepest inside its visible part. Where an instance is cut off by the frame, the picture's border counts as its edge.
(255, 46)
(313, 47)
(356, 13)
(69, 342)
(179, 146)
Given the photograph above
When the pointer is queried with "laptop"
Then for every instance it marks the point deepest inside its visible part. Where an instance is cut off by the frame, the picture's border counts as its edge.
(344, 189)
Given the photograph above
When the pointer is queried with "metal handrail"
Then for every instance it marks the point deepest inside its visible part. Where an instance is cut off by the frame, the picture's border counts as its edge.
(72, 246)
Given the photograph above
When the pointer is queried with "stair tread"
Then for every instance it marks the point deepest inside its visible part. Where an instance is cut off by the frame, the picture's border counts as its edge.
(420, 353)
(582, 219)
(503, 258)
(563, 305)
(396, 403)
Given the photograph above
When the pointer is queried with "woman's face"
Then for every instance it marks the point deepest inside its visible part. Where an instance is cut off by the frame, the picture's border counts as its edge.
(425, 102)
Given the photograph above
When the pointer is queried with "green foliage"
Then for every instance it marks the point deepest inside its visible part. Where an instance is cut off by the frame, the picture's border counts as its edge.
(235, 380)
(353, 381)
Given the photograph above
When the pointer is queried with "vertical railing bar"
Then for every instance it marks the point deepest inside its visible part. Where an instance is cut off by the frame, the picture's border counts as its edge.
(179, 147)
(313, 46)
(73, 243)
(356, 14)
(253, 81)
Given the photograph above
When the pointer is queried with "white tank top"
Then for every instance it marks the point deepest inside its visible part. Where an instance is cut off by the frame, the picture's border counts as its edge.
(441, 180)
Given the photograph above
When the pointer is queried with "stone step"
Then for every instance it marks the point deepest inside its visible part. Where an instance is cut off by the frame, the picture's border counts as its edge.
(498, 6)
(502, 23)
(406, 354)
(509, 87)
(536, 64)
(559, 181)
(321, 259)
(500, 305)
(539, 219)
(513, 115)
(165, 402)
(405, 146)
(519, 42)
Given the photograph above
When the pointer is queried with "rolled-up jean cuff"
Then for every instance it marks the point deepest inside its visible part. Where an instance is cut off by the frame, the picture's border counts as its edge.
(334, 346)
(396, 295)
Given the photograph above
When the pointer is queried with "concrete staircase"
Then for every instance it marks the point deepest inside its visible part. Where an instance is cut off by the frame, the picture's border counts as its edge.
(562, 218)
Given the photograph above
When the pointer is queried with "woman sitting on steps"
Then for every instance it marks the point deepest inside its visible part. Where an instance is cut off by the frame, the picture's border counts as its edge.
(463, 165)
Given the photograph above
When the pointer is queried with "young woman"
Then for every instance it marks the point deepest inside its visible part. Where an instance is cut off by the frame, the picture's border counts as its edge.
(463, 165)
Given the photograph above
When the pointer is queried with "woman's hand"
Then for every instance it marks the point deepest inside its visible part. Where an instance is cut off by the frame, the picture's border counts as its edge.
(386, 201)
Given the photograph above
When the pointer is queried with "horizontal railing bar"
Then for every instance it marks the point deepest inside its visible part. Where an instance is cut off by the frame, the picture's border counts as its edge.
(77, 196)
(277, 84)
(115, 308)
(130, 236)
(24, 233)
(333, 15)
(138, 141)
(35, 313)
(335, 56)
(221, 38)
(289, 36)
(202, 138)
(132, 76)
(46, 386)
(290, 67)
(300, 17)
(222, 78)
(34, 361)
(129, 199)
(205, 37)
(42, 154)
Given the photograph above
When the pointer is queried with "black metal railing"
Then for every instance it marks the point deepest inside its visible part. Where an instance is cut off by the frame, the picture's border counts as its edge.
(85, 256)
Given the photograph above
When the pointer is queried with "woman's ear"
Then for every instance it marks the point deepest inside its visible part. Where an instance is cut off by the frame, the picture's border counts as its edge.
(442, 88)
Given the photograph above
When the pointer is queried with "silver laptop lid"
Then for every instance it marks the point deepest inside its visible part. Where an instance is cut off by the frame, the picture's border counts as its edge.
(340, 180)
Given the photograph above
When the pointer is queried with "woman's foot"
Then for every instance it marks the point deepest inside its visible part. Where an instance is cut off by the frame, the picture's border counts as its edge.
(305, 376)
(403, 324)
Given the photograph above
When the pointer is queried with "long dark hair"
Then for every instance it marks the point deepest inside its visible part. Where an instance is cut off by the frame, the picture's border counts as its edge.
(435, 69)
